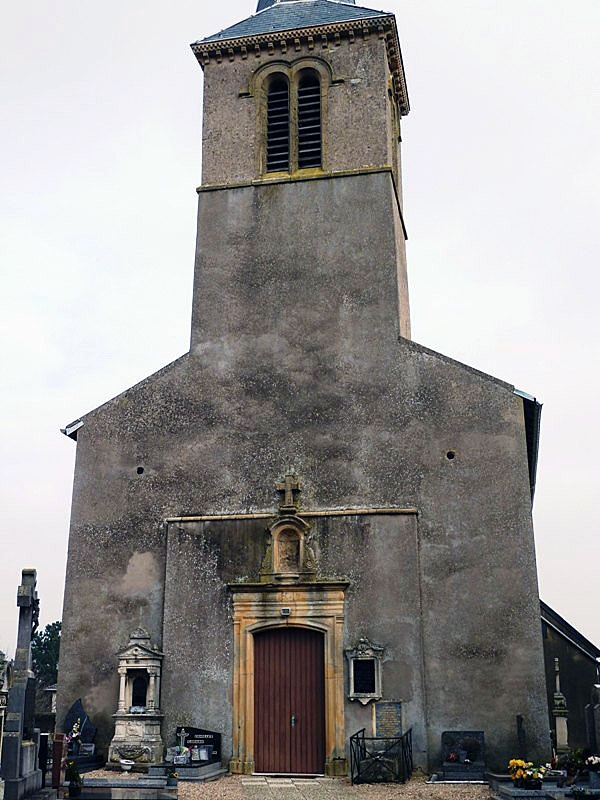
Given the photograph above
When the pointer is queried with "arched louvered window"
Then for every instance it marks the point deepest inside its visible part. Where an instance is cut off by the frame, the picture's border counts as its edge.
(278, 125)
(309, 121)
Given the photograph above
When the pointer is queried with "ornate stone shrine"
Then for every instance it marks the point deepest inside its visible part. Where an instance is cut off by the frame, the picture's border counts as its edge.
(138, 718)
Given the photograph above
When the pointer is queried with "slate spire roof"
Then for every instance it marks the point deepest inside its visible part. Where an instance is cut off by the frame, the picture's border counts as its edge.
(283, 15)
(266, 3)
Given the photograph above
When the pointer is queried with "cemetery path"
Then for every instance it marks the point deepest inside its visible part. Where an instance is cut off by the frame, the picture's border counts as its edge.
(234, 787)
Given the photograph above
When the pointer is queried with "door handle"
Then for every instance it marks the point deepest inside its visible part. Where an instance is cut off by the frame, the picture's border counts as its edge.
(293, 720)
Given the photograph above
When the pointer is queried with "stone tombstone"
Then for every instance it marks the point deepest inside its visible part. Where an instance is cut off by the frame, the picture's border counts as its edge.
(4, 687)
(463, 755)
(203, 745)
(87, 729)
(592, 720)
(20, 745)
(138, 718)
(388, 719)
(29, 709)
(560, 712)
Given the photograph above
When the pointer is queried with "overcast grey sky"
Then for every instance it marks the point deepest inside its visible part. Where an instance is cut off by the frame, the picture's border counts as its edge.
(99, 159)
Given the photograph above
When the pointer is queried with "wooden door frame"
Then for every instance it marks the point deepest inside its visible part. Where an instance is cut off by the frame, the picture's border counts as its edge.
(315, 606)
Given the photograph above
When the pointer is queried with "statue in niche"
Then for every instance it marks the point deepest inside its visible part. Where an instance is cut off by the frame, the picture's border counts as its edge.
(288, 552)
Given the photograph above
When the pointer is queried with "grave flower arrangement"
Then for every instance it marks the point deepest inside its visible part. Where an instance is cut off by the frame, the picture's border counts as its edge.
(526, 774)
(73, 778)
(593, 763)
(181, 754)
(74, 737)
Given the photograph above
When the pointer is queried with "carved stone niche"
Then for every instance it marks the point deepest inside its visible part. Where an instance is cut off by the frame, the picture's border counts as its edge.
(138, 718)
(289, 558)
(364, 671)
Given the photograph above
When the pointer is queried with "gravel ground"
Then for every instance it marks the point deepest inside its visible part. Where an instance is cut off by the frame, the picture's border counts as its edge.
(236, 787)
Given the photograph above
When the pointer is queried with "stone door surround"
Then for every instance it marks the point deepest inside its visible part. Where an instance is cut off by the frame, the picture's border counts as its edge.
(317, 606)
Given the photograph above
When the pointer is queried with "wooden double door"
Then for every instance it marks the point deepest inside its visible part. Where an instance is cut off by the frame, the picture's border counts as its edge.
(289, 702)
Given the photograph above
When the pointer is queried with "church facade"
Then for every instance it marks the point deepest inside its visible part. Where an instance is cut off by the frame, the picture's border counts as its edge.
(308, 514)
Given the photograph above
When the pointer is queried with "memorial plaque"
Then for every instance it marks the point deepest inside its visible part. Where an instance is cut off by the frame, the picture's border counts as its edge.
(171, 753)
(204, 746)
(388, 719)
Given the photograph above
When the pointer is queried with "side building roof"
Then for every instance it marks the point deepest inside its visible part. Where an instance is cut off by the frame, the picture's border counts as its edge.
(567, 631)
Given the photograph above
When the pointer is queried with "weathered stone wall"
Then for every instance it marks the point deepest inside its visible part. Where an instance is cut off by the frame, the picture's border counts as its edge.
(302, 278)
(203, 557)
(357, 130)
(296, 361)
(379, 555)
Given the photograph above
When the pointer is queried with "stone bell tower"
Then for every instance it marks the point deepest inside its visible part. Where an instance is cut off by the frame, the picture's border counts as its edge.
(300, 218)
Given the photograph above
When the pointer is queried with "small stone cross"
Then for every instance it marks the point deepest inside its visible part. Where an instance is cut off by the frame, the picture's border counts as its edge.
(181, 737)
(289, 487)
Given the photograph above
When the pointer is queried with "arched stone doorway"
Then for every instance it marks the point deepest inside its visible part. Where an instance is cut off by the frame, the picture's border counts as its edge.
(316, 608)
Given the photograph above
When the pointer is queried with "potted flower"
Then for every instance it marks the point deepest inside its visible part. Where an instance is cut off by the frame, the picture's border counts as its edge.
(73, 778)
(593, 766)
(526, 774)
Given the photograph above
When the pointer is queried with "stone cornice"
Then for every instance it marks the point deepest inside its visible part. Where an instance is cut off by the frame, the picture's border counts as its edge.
(285, 588)
(321, 36)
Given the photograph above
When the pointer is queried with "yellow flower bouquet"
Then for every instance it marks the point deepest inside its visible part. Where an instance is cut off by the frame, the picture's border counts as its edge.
(526, 774)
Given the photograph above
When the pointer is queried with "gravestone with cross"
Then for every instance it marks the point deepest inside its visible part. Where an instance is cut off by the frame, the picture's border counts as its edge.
(20, 743)
(204, 746)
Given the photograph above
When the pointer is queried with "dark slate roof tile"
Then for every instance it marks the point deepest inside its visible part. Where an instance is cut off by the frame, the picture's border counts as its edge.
(266, 3)
(295, 14)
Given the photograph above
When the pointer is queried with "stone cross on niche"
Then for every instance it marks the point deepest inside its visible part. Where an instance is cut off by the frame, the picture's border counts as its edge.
(289, 488)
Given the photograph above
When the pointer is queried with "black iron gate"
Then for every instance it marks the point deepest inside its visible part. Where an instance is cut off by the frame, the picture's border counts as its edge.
(380, 760)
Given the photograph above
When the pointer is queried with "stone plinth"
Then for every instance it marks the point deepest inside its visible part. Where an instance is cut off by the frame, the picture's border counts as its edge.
(127, 789)
(137, 737)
